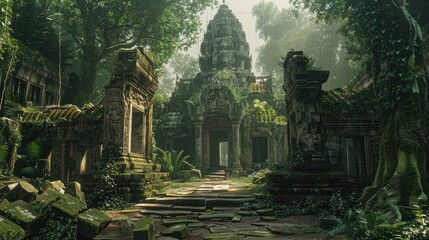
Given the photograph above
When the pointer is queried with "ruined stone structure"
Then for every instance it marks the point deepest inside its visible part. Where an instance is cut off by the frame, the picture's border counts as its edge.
(213, 116)
(30, 84)
(336, 131)
(123, 119)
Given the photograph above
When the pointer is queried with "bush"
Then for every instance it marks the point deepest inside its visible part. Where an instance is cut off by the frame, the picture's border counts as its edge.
(172, 162)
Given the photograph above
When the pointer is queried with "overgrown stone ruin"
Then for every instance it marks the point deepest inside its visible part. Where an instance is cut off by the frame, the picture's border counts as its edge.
(333, 135)
(226, 119)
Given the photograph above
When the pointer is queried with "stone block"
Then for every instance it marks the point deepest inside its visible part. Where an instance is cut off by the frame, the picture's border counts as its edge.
(74, 189)
(144, 229)
(179, 231)
(69, 205)
(22, 191)
(91, 222)
(23, 214)
(193, 173)
(48, 197)
(9, 230)
(56, 185)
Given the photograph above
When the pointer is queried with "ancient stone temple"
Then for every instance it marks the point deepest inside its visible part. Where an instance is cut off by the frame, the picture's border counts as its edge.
(123, 119)
(335, 131)
(225, 117)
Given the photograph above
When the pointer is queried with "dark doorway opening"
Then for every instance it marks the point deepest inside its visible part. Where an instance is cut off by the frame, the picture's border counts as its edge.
(219, 149)
(259, 150)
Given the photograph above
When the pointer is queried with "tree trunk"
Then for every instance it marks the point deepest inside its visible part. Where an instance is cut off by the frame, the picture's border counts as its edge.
(401, 177)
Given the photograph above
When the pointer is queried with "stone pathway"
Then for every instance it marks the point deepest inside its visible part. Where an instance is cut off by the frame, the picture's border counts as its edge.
(214, 210)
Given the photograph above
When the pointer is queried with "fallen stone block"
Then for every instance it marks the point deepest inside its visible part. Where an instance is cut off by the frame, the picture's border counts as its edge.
(69, 205)
(48, 197)
(23, 214)
(222, 236)
(165, 212)
(144, 229)
(56, 185)
(269, 218)
(178, 231)
(264, 211)
(10, 230)
(22, 191)
(74, 189)
(91, 222)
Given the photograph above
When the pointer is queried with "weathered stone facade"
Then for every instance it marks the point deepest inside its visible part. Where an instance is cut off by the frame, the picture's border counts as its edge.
(337, 129)
(123, 119)
(211, 117)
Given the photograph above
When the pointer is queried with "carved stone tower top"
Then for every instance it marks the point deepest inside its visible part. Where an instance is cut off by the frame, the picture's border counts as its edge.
(224, 45)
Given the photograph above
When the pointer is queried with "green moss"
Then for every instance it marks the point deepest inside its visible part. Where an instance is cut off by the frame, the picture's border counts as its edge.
(144, 229)
(69, 205)
(9, 230)
(22, 213)
(91, 222)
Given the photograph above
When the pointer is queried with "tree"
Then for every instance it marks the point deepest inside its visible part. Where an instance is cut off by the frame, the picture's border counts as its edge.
(385, 33)
(285, 29)
(5, 21)
(100, 27)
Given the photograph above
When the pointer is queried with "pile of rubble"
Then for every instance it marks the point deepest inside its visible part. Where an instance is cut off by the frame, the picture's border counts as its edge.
(25, 209)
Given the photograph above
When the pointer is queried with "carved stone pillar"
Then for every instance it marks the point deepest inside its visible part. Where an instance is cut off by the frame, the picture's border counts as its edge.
(199, 145)
(149, 134)
(236, 146)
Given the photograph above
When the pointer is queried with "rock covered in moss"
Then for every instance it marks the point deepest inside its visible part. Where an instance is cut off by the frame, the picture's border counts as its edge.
(144, 229)
(22, 191)
(74, 189)
(48, 197)
(91, 222)
(69, 205)
(56, 185)
(23, 214)
(10, 230)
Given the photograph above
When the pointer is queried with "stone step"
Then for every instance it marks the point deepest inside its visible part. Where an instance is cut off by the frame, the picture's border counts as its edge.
(165, 212)
(190, 208)
(216, 172)
(154, 206)
(222, 177)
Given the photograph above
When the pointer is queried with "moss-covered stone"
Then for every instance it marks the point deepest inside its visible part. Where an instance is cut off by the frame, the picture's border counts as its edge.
(144, 229)
(269, 218)
(21, 213)
(48, 197)
(9, 230)
(178, 231)
(91, 222)
(56, 185)
(69, 205)
(22, 191)
(222, 236)
(264, 211)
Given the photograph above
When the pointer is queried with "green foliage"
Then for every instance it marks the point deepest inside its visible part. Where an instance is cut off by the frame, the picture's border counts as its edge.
(12, 139)
(32, 151)
(159, 102)
(105, 195)
(57, 227)
(294, 159)
(173, 162)
(5, 29)
(163, 26)
(262, 111)
(4, 152)
(418, 228)
(285, 29)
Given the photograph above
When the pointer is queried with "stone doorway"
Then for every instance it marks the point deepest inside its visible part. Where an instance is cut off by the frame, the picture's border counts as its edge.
(219, 148)
(259, 150)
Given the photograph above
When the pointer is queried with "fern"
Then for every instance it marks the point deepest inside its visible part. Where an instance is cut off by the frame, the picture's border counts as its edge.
(32, 151)
(4, 151)
(171, 161)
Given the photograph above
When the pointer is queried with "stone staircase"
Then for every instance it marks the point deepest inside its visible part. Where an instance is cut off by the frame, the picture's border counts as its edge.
(212, 196)
(216, 173)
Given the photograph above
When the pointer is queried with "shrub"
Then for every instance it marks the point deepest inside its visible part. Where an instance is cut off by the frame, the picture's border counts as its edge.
(172, 162)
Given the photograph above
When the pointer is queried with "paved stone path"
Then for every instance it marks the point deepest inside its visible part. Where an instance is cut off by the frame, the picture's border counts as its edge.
(214, 210)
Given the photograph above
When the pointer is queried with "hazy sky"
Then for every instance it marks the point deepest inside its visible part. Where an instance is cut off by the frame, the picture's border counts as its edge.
(243, 11)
